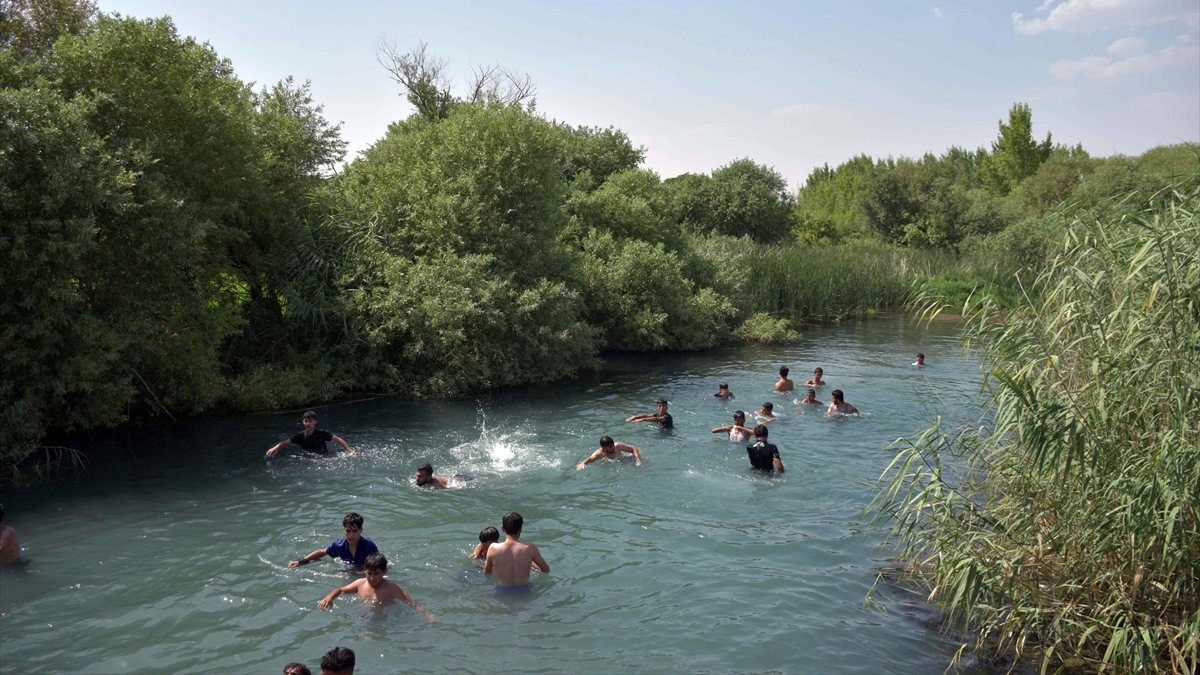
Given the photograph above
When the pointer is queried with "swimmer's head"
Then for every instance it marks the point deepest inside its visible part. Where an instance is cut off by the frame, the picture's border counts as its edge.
(376, 562)
(920, 358)
(512, 523)
(739, 416)
(661, 404)
(489, 535)
(811, 395)
(352, 521)
(606, 441)
(783, 371)
(337, 661)
(818, 371)
(760, 431)
(724, 386)
(837, 396)
(768, 406)
(424, 473)
(309, 416)
(296, 668)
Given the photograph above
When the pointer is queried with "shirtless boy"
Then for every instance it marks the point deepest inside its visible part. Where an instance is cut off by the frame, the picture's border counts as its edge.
(738, 431)
(510, 560)
(610, 449)
(838, 405)
(487, 536)
(766, 412)
(811, 398)
(424, 476)
(784, 384)
(375, 587)
(816, 380)
(10, 547)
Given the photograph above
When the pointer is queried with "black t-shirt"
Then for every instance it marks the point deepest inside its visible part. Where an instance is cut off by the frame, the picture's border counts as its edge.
(315, 442)
(667, 422)
(762, 455)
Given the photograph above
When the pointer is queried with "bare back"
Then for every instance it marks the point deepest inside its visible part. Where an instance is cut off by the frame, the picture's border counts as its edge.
(10, 547)
(510, 561)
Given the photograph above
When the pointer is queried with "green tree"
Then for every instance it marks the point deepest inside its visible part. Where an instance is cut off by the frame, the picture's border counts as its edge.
(742, 198)
(1015, 154)
(598, 152)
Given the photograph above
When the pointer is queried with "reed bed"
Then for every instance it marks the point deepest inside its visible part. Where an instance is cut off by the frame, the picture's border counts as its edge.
(1069, 532)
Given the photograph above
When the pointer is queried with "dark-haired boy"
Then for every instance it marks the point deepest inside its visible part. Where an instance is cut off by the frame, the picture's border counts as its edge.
(311, 438)
(764, 456)
(784, 384)
(487, 536)
(660, 415)
(511, 560)
(375, 587)
(424, 476)
(338, 661)
(610, 449)
(838, 405)
(352, 548)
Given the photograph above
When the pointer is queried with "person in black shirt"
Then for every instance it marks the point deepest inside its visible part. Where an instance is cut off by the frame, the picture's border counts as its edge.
(311, 439)
(763, 455)
(660, 415)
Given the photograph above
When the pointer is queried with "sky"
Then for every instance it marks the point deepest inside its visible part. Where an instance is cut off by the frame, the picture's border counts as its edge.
(793, 85)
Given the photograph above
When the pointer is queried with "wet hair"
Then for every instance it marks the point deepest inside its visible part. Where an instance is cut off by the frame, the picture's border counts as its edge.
(606, 441)
(425, 468)
(338, 660)
(661, 401)
(837, 394)
(296, 669)
(920, 355)
(489, 533)
(309, 413)
(376, 562)
(723, 385)
(818, 369)
(768, 406)
(739, 415)
(813, 392)
(783, 372)
(512, 523)
(354, 520)
(760, 431)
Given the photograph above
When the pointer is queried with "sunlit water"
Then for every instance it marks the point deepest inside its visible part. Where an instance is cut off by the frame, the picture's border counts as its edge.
(169, 554)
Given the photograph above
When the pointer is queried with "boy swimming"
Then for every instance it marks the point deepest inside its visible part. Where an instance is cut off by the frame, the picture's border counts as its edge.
(375, 587)
(352, 548)
(487, 536)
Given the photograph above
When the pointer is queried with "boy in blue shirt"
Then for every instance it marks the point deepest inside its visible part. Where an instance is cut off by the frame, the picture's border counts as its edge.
(352, 548)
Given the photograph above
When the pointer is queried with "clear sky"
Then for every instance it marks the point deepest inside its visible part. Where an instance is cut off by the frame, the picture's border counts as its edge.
(792, 84)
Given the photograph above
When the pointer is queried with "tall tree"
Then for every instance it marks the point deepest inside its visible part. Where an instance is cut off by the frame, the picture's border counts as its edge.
(1015, 154)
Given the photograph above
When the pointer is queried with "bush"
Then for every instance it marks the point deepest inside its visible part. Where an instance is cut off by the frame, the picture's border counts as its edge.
(767, 329)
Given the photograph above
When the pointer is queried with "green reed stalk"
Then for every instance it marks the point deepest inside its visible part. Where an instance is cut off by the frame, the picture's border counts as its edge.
(1071, 532)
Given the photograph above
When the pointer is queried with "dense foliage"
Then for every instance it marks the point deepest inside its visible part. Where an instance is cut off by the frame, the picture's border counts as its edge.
(174, 241)
(1071, 528)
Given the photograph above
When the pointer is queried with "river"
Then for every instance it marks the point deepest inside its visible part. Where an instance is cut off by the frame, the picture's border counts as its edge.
(169, 553)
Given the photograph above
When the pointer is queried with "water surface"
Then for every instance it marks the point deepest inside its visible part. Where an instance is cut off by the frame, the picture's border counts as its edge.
(169, 554)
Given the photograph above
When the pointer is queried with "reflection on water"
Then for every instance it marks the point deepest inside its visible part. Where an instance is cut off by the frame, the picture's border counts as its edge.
(170, 554)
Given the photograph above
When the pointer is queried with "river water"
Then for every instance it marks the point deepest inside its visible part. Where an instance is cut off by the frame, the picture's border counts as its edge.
(169, 554)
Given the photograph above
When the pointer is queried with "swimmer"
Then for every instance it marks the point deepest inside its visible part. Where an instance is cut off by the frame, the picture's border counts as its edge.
(816, 380)
(810, 398)
(784, 384)
(375, 587)
(424, 476)
(10, 546)
(738, 431)
(920, 362)
(487, 536)
(610, 449)
(311, 439)
(352, 548)
(512, 559)
(338, 661)
(766, 412)
(764, 456)
(660, 415)
(296, 668)
(839, 406)
(723, 391)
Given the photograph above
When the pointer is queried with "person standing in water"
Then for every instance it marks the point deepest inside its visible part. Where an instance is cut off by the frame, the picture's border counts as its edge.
(511, 559)
(723, 391)
(784, 384)
(10, 546)
(920, 362)
(610, 449)
(810, 398)
(764, 456)
(816, 380)
(738, 432)
(660, 415)
(839, 406)
(311, 439)
(352, 548)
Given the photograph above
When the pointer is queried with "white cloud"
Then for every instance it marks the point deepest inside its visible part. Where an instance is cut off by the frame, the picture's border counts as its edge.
(1116, 65)
(1044, 7)
(1090, 15)
(1127, 46)
(937, 13)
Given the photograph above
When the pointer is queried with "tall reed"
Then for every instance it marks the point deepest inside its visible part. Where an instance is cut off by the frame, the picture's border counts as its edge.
(1071, 532)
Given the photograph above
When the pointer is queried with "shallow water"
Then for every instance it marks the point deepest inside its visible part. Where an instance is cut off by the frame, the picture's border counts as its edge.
(169, 554)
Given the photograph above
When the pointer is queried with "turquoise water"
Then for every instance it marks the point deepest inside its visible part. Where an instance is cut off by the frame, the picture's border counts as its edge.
(169, 554)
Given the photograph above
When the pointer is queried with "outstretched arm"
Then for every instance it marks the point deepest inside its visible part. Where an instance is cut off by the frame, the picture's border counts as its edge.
(315, 555)
(426, 614)
(591, 458)
(275, 448)
(638, 418)
(342, 442)
(723, 429)
(348, 588)
(637, 455)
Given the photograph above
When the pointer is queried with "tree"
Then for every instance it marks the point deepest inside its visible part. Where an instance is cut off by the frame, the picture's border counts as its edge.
(740, 198)
(1015, 154)
(30, 27)
(598, 152)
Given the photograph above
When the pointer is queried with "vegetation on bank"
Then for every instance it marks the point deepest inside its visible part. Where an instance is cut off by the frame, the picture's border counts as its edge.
(1069, 531)
(174, 241)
